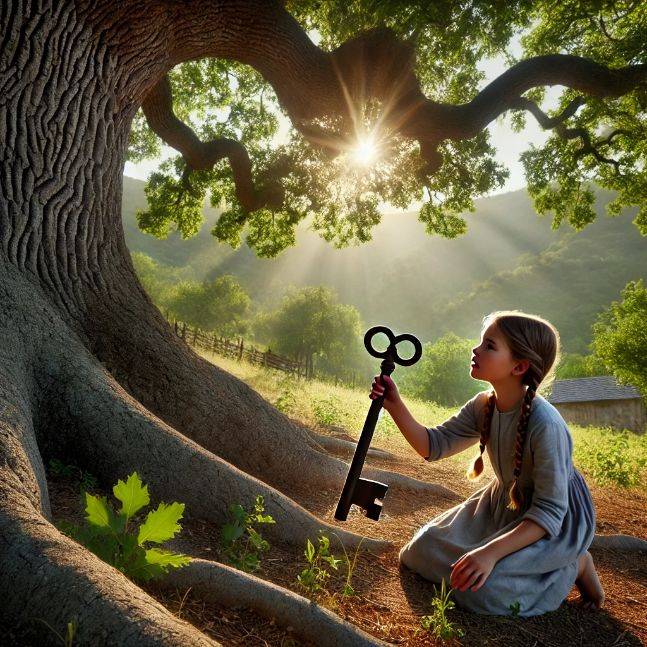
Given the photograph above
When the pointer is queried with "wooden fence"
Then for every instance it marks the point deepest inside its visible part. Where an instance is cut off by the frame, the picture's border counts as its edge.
(238, 350)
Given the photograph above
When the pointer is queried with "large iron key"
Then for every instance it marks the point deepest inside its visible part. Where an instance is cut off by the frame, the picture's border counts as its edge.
(365, 493)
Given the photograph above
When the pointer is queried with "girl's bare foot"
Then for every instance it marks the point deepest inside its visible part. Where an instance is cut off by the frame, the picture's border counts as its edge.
(588, 584)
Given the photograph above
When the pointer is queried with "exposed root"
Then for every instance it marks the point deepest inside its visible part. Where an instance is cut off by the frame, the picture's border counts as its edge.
(115, 435)
(227, 586)
(619, 542)
(346, 448)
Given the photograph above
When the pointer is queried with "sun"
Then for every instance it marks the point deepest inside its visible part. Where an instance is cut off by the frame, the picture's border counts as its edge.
(365, 151)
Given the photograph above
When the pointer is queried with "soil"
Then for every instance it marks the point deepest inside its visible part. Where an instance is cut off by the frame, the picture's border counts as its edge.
(390, 600)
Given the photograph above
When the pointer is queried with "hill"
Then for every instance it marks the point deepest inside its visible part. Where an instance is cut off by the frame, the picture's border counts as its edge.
(409, 281)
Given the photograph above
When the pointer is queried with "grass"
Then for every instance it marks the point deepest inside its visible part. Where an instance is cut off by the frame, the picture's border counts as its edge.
(604, 455)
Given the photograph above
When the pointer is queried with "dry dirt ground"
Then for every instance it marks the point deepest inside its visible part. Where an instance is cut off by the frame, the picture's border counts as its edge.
(390, 600)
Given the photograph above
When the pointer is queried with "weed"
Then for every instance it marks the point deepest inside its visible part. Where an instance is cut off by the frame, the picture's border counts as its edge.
(326, 410)
(242, 545)
(611, 458)
(313, 577)
(348, 589)
(515, 607)
(68, 639)
(87, 481)
(438, 623)
(108, 534)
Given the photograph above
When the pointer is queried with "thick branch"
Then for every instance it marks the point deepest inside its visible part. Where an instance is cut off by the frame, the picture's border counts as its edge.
(201, 156)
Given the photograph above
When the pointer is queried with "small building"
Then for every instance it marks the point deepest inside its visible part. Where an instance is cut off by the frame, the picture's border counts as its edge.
(599, 401)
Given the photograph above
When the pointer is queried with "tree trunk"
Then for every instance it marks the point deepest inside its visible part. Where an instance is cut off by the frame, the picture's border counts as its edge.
(90, 371)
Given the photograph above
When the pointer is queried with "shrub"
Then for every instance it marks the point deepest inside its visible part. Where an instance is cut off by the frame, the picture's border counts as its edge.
(111, 535)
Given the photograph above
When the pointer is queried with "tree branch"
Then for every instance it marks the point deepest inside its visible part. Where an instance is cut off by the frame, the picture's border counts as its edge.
(317, 87)
(202, 156)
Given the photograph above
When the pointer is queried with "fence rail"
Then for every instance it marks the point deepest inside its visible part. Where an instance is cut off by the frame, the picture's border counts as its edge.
(238, 350)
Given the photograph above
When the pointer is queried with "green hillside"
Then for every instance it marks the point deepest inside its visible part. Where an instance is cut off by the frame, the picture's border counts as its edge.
(405, 279)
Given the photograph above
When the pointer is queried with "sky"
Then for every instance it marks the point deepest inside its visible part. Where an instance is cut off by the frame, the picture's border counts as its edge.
(508, 143)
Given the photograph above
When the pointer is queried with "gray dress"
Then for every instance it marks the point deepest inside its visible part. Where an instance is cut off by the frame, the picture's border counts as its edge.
(540, 575)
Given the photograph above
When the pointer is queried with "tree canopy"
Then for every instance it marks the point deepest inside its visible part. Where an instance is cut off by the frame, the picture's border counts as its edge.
(404, 120)
(620, 337)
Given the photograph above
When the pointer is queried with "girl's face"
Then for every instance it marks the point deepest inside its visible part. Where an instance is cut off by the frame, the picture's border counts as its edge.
(492, 360)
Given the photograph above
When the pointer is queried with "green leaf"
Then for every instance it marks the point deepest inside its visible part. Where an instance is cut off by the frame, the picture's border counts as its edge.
(132, 494)
(310, 551)
(161, 524)
(164, 558)
(97, 510)
(230, 532)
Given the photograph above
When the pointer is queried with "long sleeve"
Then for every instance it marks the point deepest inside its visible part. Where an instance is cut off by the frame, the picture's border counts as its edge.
(551, 447)
(456, 434)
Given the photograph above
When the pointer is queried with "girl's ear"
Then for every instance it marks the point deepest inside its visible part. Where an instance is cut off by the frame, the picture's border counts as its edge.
(521, 367)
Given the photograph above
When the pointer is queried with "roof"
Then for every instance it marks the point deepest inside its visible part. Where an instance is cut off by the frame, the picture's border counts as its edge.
(587, 389)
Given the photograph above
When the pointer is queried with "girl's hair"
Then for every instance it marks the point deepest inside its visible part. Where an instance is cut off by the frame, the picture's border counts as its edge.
(532, 338)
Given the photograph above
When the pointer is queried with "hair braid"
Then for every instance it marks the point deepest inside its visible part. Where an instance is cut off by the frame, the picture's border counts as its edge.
(477, 465)
(516, 496)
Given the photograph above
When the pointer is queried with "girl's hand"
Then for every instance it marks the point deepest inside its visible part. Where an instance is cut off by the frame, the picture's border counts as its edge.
(472, 569)
(391, 393)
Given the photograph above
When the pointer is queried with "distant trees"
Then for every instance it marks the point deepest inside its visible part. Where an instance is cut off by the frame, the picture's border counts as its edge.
(620, 337)
(311, 323)
(220, 305)
(574, 365)
(443, 373)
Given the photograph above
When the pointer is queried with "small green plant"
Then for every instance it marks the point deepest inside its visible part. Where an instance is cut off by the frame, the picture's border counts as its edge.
(515, 607)
(612, 458)
(326, 411)
(241, 543)
(438, 623)
(287, 400)
(313, 577)
(348, 589)
(86, 480)
(111, 535)
(68, 639)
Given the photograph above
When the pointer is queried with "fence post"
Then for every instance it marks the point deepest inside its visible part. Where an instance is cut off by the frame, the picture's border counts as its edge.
(184, 330)
(240, 350)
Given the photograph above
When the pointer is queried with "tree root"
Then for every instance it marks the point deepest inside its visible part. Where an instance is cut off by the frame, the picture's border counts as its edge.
(224, 585)
(619, 542)
(113, 435)
(347, 447)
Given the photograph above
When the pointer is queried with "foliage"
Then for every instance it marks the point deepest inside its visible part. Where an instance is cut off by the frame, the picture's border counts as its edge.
(87, 481)
(620, 337)
(221, 305)
(159, 280)
(515, 607)
(326, 410)
(438, 623)
(348, 589)
(110, 534)
(224, 98)
(314, 576)
(443, 374)
(613, 457)
(310, 322)
(287, 400)
(574, 365)
(242, 544)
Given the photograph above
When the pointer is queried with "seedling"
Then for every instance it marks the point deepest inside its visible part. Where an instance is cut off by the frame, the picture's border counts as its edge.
(111, 536)
(242, 545)
(86, 480)
(68, 639)
(438, 623)
(348, 589)
(313, 578)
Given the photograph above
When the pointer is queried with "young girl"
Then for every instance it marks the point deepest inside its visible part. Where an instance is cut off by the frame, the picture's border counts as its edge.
(524, 537)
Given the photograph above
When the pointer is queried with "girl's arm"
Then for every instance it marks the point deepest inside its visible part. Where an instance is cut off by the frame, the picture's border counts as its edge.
(473, 568)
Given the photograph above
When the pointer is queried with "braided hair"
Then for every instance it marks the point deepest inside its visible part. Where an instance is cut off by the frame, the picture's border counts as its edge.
(529, 338)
